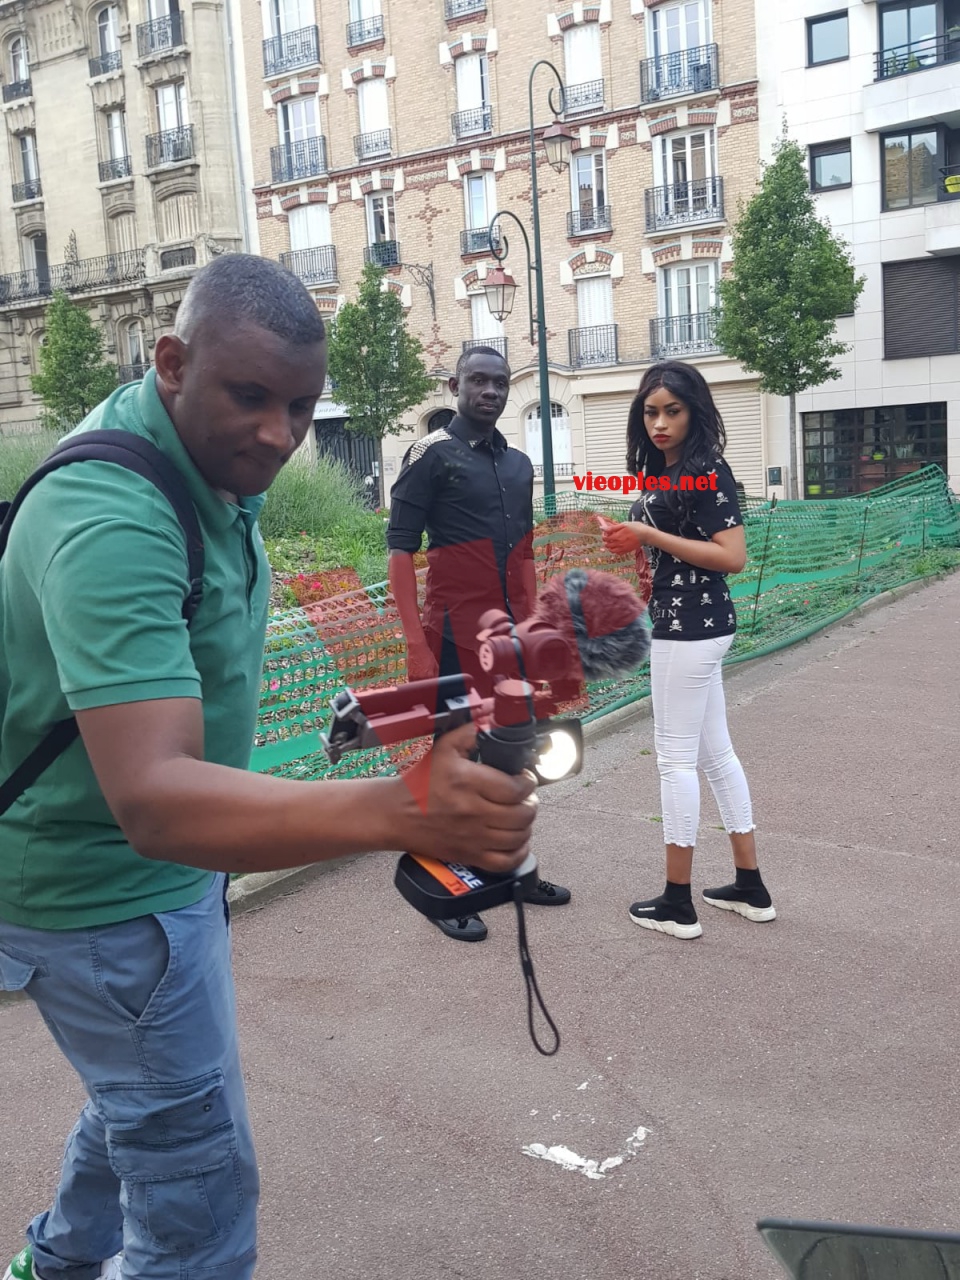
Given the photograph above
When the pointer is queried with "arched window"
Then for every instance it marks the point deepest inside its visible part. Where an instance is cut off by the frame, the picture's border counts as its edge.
(560, 437)
(19, 58)
(131, 351)
(108, 30)
(440, 418)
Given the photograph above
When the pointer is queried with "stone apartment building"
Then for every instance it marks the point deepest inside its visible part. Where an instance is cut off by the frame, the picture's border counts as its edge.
(120, 170)
(394, 130)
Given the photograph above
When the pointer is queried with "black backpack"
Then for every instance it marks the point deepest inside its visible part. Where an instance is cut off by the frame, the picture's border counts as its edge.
(139, 455)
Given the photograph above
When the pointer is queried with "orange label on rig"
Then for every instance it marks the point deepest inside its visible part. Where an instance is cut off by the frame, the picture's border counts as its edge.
(455, 878)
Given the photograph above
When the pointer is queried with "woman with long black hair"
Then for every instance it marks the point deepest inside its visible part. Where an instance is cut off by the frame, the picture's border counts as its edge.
(691, 528)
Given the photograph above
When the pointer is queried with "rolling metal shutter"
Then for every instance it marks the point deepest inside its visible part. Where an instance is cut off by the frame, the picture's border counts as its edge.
(921, 308)
(605, 433)
(739, 406)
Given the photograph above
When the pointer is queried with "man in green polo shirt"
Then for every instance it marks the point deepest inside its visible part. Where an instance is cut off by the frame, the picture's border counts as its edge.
(112, 865)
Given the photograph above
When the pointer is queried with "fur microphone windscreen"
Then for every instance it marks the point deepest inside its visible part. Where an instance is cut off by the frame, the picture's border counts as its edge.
(602, 616)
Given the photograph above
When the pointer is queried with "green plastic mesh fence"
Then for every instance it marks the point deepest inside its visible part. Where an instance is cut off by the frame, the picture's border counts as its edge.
(809, 563)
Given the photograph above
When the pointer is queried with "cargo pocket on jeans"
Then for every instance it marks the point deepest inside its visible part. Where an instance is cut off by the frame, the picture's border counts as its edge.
(174, 1149)
(17, 969)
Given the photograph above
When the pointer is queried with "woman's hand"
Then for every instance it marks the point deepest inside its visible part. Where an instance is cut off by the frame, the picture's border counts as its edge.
(624, 539)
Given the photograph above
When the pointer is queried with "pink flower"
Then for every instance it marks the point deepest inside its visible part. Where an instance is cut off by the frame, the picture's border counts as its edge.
(274, 685)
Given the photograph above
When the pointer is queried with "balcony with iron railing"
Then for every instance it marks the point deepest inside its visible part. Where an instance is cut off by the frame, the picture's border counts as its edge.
(385, 253)
(683, 204)
(497, 344)
(596, 344)
(118, 167)
(477, 240)
(466, 124)
(17, 89)
(29, 189)
(160, 36)
(684, 335)
(292, 161)
(290, 50)
(132, 372)
(942, 218)
(171, 146)
(561, 470)
(587, 222)
(675, 75)
(900, 60)
(313, 266)
(104, 272)
(368, 145)
(453, 9)
(105, 63)
(580, 98)
(23, 286)
(364, 31)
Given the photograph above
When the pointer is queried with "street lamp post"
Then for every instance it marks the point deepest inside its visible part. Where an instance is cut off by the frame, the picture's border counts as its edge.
(500, 287)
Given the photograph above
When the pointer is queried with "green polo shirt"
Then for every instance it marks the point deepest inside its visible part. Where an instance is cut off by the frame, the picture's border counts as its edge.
(91, 591)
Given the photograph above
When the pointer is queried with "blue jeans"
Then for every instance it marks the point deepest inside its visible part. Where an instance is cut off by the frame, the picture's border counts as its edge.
(161, 1162)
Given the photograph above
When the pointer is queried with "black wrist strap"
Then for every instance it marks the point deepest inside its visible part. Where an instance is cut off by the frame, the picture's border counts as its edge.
(530, 979)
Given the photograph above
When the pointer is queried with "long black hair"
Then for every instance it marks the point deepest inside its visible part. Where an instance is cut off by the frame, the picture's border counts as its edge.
(706, 438)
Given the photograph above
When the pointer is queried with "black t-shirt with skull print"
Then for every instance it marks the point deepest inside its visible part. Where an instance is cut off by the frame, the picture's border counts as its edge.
(689, 603)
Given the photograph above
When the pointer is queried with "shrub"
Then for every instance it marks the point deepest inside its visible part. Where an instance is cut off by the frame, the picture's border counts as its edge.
(19, 455)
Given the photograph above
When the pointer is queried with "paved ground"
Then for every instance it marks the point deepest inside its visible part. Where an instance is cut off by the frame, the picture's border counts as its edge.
(804, 1068)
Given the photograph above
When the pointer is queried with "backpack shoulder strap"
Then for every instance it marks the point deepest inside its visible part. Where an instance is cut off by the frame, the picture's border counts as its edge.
(138, 455)
(141, 456)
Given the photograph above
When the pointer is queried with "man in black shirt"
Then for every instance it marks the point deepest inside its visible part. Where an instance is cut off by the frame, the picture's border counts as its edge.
(473, 495)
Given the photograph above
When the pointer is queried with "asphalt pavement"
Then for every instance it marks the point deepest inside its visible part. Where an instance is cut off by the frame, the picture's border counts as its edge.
(804, 1068)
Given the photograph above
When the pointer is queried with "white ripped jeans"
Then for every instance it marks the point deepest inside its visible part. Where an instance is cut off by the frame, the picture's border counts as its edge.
(690, 729)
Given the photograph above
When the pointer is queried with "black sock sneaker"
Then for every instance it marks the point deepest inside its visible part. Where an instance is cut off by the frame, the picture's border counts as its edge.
(679, 919)
(747, 896)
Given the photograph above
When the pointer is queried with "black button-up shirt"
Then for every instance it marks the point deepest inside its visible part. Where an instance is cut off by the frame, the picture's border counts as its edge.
(474, 497)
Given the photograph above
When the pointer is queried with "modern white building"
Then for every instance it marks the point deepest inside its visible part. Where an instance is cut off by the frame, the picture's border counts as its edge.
(872, 91)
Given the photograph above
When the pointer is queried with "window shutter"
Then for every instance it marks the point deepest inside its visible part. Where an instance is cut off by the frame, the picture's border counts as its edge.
(485, 323)
(469, 82)
(594, 302)
(309, 226)
(921, 308)
(373, 105)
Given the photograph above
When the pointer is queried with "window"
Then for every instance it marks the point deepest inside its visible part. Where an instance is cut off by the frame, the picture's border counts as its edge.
(381, 223)
(595, 339)
(583, 64)
(486, 326)
(560, 438)
(28, 158)
(116, 123)
(122, 232)
(171, 100)
(921, 308)
(908, 36)
(830, 165)
(131, 345)
(588, 174)
(480, 203)
(299, 118)
(687, 291)
(108, 30)
(910, 169)
(179, 217)
(158, 9)
(594, 301)
(19, 60)
(309, 226)
(35, 255)
(828, 39)
(372, 102)
(282, 17)
(678, 28)
(473, 95)
(854, 450)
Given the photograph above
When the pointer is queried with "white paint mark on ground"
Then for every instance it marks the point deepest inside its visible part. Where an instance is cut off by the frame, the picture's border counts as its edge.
(582, 1086)
(593, 1169)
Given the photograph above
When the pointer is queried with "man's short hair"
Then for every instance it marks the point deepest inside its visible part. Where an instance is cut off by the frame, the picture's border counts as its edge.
(244, 287)
(478, 351)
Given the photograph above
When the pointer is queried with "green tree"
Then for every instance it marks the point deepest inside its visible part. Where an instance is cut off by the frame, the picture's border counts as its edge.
(73, 377)
(792, 278)
(376, 364)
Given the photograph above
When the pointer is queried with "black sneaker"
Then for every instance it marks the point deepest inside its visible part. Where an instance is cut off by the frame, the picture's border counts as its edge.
(545, 894)
(463, 928)
(679, 919)
(752, 904)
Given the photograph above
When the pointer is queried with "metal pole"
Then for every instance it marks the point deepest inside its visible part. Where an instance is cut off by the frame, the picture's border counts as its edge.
(546, 421)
